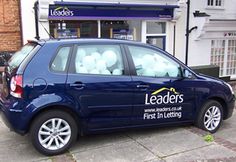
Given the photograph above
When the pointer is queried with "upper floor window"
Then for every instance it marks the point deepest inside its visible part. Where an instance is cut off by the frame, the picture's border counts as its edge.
(215, 3)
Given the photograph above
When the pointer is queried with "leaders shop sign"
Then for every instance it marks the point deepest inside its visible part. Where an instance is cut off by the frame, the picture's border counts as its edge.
(75, 12)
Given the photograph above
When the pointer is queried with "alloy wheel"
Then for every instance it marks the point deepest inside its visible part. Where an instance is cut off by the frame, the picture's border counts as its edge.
(54, 134)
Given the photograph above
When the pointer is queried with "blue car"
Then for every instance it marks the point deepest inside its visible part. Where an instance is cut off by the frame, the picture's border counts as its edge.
(58, 89)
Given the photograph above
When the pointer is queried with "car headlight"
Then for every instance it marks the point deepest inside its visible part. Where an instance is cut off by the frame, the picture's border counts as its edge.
(231, 89)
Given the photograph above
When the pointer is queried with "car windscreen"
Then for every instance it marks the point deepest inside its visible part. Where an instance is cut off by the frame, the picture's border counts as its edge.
(19, 56)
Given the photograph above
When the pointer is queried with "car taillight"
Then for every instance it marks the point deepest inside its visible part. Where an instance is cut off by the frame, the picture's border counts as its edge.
(16, 86)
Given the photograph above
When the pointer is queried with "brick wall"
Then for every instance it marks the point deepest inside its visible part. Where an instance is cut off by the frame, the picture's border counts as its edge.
(10, 34)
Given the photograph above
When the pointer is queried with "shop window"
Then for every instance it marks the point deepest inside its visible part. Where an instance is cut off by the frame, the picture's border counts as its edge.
(215, 3)
(156, 27)
(73, 29)
(129, 29)
(99, 59)
(223, 54)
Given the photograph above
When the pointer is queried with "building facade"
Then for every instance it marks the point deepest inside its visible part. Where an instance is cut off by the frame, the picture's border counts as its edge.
(159, 22)
(214, 40)
(10, 26)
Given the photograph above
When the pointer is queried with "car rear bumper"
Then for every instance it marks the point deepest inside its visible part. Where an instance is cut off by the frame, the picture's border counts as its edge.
(13, 118)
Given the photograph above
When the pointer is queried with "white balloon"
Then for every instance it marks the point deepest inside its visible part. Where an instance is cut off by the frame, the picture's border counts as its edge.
(117, 72)
(97, 56)
(81, 69)
(172, 70)
(148, 62)
(106, 72)
(138, 62)
(81, 53)
(109, 57)
(94, 71)
(91, 50)
(149, 72)
(160, 69)
(89, 62)
(101, 65)
(159, 58)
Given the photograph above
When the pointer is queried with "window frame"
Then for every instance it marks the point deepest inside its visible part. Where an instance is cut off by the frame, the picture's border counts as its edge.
(213, 6)
(71, 69)
(68, 60)
(162, 53)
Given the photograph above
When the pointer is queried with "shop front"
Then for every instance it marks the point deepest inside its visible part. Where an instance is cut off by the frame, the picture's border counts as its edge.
(144, 23)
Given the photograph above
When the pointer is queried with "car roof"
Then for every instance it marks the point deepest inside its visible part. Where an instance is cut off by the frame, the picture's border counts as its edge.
(86, 40)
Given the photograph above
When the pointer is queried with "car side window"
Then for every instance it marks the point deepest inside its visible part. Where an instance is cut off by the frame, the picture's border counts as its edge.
(99, 59)
(60, 61)
(153, 63)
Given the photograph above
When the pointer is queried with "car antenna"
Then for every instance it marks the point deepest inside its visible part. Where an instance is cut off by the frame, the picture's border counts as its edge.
(50, 36)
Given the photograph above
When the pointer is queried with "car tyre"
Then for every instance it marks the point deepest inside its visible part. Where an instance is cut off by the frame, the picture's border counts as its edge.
(210, 116)
(53, 132)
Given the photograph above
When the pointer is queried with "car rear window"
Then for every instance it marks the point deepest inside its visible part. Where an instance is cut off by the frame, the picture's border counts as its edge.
(20, 55)
(60, 61)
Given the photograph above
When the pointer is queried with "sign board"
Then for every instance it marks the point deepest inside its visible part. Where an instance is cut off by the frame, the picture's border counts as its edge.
(75, 12)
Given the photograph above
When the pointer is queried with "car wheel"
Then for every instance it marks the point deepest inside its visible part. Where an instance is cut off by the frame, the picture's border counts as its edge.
(53, 132)
(210, 116)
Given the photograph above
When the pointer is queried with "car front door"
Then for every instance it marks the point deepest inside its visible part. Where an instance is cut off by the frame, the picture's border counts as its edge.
(99, 80)
(161, 94)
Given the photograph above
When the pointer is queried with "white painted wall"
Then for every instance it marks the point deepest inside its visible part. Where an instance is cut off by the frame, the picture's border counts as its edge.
(28, 22)
(200, 49)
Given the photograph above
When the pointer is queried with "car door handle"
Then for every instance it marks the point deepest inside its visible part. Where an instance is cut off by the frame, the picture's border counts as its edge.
(78, 85)
(142, 86)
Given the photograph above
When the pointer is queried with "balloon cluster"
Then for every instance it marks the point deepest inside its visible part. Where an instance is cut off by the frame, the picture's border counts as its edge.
(155, 66)
(96, 63)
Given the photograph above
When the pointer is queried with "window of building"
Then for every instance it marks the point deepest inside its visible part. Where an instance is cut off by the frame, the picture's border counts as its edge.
(128, 29)
(152, 63)
(154, 27)
(156, 33)
(217, 54)
(99, 59)
(231, 58)
(74, 29)
(215, 3)
(223, 54)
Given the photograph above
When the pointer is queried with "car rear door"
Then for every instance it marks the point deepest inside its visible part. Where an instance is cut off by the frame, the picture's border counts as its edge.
(161, 94)
(100, 83)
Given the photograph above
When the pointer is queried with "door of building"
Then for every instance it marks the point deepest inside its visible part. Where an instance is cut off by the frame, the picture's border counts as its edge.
(223, 54)
(156, 33)
(159, 41)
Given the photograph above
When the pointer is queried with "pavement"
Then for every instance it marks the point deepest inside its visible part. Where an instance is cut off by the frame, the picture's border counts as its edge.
(172, 144)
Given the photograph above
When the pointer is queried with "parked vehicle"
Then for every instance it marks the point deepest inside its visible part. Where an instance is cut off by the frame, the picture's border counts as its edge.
(57, 89)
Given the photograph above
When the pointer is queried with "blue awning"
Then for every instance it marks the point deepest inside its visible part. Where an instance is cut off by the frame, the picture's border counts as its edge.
(108, 11)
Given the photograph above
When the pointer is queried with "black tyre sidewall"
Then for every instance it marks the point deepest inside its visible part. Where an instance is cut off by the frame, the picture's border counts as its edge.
(39, 120)
(205, 107)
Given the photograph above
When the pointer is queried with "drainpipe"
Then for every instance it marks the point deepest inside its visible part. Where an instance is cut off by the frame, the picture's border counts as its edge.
(36, 4)
(21, 28)
(187, 32)
(174, 40)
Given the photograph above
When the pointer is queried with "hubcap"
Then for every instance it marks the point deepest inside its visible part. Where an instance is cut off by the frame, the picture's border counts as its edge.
(54, 134)
(212, 118)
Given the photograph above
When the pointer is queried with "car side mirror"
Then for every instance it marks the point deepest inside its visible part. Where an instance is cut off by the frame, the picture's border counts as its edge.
(187, 74)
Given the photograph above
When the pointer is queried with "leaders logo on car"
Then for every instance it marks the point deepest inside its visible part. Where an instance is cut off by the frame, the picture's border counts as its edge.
(170, 97)
(163, 98)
